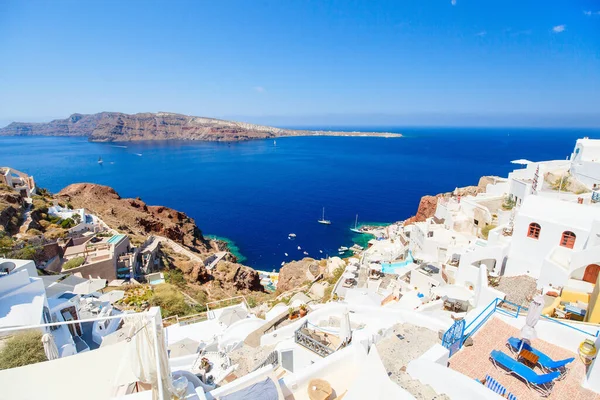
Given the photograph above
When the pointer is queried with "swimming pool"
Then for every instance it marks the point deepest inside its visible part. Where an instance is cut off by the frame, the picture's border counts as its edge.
(392, 268)
(115, 239)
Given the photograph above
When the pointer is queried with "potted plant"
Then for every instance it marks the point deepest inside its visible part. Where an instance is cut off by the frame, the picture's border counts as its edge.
(291, 313)
(303, 310)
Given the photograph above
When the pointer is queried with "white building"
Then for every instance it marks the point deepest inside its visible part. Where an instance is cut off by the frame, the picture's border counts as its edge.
(23, 302)
(84, 222)
(555, 240)
(17, 180)
(585, 161)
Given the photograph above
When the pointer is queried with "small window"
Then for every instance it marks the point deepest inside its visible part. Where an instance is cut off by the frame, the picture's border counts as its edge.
(568, 239)
(534, 230)
(476, 222)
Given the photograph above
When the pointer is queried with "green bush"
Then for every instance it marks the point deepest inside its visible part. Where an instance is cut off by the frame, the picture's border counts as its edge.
(175, 277)
(561, 184)
(39, 204)
(170, 300)
(509, 203)
(6, 242)
(22, 349)
(26, 253)
(67, 223)
(73, 263)
(485, 231)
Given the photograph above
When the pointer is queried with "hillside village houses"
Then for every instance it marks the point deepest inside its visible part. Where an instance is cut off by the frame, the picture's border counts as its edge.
(443, 306)
(17, 180)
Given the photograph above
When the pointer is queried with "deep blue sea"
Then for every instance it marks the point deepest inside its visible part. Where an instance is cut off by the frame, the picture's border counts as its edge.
(256, 193)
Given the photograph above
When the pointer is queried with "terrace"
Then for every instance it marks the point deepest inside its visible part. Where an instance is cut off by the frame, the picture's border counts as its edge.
(474, 362)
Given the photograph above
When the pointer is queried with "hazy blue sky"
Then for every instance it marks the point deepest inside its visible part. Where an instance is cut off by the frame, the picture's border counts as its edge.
(305, 62)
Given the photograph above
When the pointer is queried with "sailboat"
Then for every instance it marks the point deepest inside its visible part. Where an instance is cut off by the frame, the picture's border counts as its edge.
(323, 220)
(355, 229)
(100, 160)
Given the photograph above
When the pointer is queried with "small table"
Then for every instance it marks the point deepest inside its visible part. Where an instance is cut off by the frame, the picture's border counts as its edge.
(318, 389)
(528, 358)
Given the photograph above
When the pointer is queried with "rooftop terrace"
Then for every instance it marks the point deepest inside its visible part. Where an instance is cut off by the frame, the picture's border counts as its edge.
(474, 361)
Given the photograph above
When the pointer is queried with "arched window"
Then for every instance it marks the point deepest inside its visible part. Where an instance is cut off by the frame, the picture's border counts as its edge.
(534, 230)
(568, 239)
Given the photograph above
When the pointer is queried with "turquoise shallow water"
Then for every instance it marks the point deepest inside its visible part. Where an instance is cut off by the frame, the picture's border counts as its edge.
(255, 193)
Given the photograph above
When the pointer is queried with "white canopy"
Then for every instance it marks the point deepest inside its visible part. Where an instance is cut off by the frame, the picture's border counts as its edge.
(112, 296)
(183, 347)
(352, 268)
(353, 260)
(100, 372)
(231, 315)
(375, 267)
(348, 275)
(90, 286)
(373, 382)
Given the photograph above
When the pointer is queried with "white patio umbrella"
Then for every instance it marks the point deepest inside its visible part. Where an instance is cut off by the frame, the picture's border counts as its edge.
(352, 268)
(533, 316)
(183, 347)
(348, 275)
(375, 267)
(232, 315)
(345, 328)
(112, 296)
(50, 347)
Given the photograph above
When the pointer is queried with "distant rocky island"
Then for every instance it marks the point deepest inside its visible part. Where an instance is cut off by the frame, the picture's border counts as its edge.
(119, 127)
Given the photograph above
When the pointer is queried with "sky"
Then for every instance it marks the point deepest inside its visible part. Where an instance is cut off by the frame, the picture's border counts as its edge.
(305, 62)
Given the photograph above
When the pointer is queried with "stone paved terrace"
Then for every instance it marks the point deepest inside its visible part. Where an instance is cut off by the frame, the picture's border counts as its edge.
(474, 362)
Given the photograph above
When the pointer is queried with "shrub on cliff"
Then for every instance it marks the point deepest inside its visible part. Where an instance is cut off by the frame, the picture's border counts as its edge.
(67, 223)
(170, 300)
(22, 349)
(73, 263)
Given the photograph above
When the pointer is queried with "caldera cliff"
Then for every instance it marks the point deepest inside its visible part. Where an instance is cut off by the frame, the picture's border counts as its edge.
(120, 127)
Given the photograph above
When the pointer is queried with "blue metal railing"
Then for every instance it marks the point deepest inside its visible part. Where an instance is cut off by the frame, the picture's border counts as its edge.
(498, 305)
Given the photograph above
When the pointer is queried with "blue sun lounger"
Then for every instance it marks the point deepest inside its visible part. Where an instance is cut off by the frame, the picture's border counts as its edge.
(545, 362)
(542, 383)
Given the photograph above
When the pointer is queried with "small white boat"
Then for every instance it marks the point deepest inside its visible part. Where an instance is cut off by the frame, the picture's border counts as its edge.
(306, 253)
(282, 263)
(100, 160)
(299, 248)
(321, 251)
(341, 252)
(343, 248)
(323, 220)
(355, 229)
(291, 236)
(286, 254)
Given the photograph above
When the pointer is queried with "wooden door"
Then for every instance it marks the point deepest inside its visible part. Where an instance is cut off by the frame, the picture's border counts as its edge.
(591, 273)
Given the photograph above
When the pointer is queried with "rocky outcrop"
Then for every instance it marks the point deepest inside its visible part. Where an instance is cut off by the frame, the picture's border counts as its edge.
(295, 273)
(133, 216)
(10, 210)
(428, 204)
(119, 127)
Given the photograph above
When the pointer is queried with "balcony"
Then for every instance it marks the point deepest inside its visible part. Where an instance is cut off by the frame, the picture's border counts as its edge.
(315, 341)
